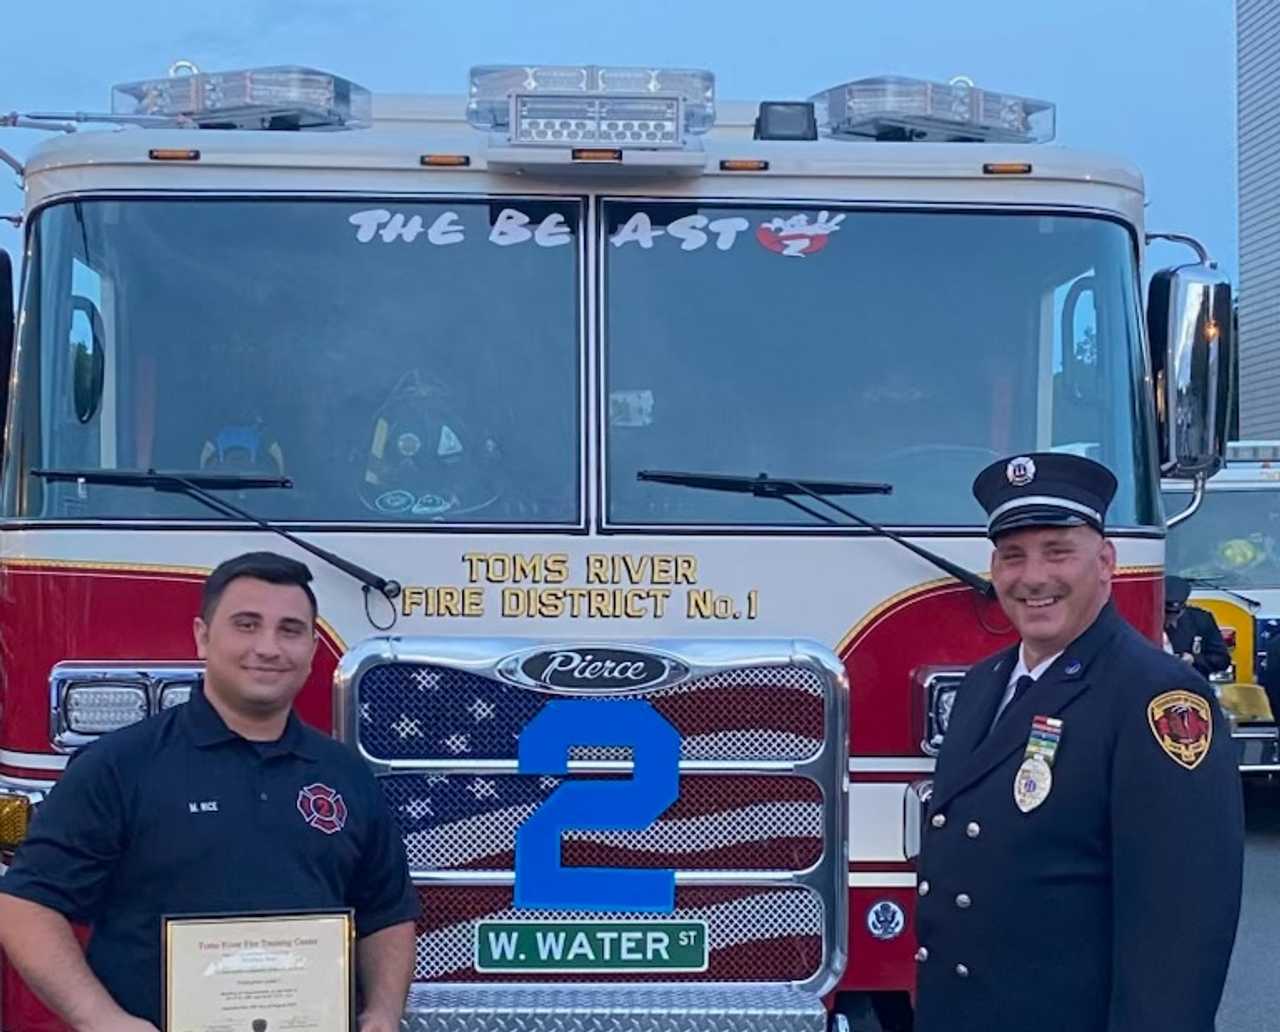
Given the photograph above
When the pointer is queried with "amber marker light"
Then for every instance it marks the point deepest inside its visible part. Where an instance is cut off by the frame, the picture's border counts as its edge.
(744, 165)
(597, 154)
(15, 815)
(445, 160)
(172, 154)
(1007, 168)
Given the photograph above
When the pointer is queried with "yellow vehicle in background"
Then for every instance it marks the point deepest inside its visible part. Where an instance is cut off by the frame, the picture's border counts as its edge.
(1229, 549)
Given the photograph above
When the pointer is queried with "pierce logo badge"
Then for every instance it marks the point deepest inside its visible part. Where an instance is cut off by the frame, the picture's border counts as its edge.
(592, 670)
(322, 808)
(1021, 471)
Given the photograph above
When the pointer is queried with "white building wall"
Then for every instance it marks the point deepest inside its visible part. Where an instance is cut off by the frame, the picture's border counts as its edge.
(1258, 111)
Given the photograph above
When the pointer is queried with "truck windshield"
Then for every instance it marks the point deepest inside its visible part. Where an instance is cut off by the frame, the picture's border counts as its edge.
(910, 347)
(1233, 539)
(399, 361)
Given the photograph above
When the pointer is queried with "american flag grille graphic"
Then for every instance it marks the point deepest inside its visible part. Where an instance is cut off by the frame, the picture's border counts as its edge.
(459, 823)
(754, 934)
(720, 822)
(414, 712)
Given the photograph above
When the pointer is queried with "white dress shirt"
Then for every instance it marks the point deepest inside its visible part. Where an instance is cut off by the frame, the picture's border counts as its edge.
(1020, 670)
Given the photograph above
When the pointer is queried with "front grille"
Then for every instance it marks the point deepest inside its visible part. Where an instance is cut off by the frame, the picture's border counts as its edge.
(756, 835)
(462, 822)
(413, 712)
(754, 934)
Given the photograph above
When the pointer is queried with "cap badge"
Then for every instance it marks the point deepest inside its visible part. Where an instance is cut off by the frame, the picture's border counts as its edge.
(1021, 471)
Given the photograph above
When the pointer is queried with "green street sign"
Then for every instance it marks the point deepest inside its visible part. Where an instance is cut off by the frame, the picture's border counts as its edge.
(591, 946)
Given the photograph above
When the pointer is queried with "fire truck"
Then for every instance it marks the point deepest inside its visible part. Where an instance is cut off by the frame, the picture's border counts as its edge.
(1229, 550)
(582, 391)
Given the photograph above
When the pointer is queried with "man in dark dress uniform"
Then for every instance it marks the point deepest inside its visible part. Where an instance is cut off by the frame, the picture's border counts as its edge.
(1193, 632)
(1082, 858)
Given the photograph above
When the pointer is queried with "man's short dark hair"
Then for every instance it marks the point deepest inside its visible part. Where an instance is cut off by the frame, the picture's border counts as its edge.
(264, 566)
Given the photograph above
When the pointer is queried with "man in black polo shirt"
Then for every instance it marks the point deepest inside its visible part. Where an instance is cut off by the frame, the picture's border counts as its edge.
(228, 804)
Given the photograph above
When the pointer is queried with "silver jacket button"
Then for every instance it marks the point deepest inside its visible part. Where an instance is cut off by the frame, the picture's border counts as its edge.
(973, 830)
(923, 888)
(922, 954)
(963, 901)
(962, 971)
(938, 820)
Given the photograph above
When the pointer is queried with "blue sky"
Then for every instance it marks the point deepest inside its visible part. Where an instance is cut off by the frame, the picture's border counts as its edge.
(1153, 80)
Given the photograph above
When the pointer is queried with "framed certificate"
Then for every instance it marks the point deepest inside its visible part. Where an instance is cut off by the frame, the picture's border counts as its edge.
(263, 972)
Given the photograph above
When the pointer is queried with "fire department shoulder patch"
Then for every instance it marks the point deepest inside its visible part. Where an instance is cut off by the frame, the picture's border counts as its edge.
(322, 808)
(1182, 725)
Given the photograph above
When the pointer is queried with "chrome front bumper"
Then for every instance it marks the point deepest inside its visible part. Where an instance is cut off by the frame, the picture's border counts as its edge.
(1257, 748)
(614, 1008)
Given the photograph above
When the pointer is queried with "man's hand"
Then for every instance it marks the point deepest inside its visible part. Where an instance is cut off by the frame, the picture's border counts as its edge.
(374, 1021)
(41, 945)
(1186, 657)
(384, 960)
(121, 1022)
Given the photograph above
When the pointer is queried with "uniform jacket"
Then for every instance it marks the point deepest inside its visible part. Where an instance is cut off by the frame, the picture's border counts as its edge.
(1110, 907)
(1210, 655)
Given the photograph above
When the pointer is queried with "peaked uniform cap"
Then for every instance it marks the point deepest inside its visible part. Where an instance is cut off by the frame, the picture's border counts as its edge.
(1044, 489)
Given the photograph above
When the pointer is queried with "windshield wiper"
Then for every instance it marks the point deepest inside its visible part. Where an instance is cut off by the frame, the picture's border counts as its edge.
(1206, 582)
(193, 485)
(765, 486)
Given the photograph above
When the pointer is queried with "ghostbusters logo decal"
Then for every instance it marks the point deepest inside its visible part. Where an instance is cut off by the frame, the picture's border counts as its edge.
(1182, 725)
(322, 808)
(1020, 471)
(796, 236)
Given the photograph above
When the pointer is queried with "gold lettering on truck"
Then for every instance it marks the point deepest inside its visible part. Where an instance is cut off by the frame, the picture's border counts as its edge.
(611, 586)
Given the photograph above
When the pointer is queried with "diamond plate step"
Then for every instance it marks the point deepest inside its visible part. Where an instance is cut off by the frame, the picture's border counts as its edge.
(612, 1009)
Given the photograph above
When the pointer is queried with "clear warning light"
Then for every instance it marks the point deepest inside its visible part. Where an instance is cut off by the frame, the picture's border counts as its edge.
(586, 105)
(891, 107)
(282, 97)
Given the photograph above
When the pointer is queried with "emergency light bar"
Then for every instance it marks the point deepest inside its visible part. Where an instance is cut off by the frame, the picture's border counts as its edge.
(587, 105)
(891, 107)
(1253, 451)
(281, 97)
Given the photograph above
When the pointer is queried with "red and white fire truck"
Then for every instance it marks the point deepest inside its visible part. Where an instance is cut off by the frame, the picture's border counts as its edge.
(581, 392)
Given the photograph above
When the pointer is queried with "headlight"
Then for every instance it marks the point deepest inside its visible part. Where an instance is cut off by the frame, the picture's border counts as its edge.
(939, 689)
(174, 693)
(96, 708)
(915, 803)
(88, 699)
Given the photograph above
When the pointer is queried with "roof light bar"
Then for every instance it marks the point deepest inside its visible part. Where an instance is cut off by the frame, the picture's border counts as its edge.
(891, 107)
(281, 97)
(584, 105)
(1253, 451)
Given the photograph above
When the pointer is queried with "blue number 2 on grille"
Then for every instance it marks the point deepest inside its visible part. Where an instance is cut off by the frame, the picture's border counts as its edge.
(598, 805)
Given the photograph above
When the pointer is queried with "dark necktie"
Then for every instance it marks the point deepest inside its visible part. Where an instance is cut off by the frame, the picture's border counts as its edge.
(1020, 688)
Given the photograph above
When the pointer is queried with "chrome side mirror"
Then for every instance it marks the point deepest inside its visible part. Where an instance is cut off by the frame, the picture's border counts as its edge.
(1191, 335)
(6, 327)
